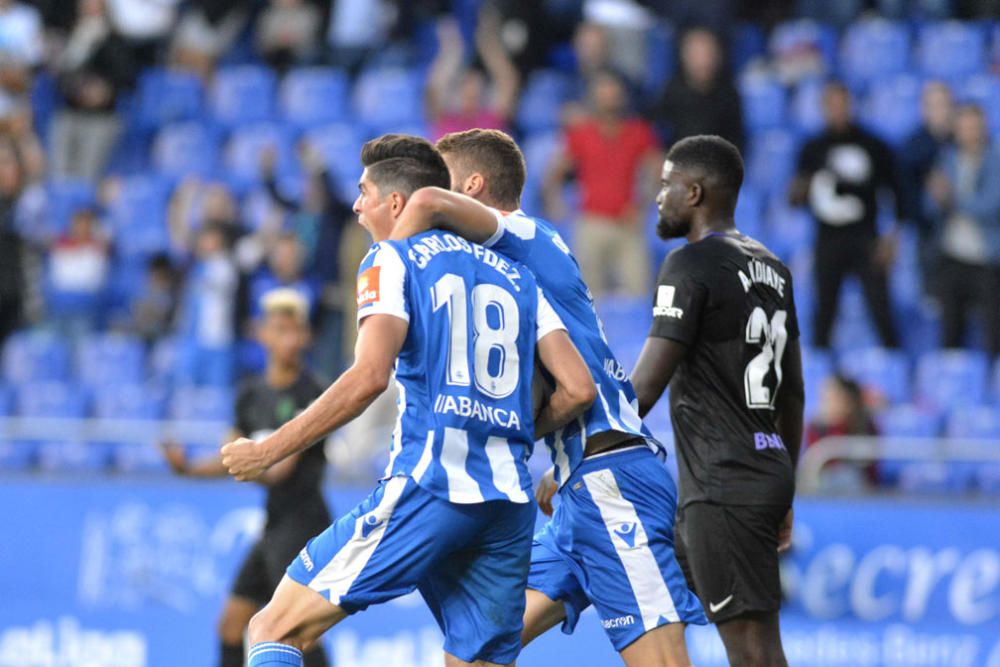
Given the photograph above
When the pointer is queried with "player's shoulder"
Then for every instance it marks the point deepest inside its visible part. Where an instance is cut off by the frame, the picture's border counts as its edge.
(522, 225)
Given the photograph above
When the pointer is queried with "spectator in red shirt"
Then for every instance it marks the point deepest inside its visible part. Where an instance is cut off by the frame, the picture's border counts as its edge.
(616, 158)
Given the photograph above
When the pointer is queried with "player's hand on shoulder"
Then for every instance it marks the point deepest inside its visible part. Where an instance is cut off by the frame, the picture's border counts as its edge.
(244, 459)
(175, 456)
(546, 491)
(785, 532)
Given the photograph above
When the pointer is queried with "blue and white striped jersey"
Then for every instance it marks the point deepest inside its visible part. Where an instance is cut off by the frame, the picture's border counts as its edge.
(465, 428)
(537, 245)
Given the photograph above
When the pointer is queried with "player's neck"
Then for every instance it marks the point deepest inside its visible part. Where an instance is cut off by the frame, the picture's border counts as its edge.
(703, 229)
(280, 376)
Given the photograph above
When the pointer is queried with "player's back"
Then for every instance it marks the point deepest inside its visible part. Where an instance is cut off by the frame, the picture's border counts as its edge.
(536, 244)
(729, 299)
(465, 428)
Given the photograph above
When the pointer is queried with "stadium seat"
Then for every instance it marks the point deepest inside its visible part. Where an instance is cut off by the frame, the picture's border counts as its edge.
(804, 41)
(874, 49)
(55, 400)
(541, 101)
(806, 106)
(892, 107)
(660, 52)
(111, 360)
(750, 212)
(17, 455)
(247, 145)
(314, 96)
(951, 49)
(186, 149)
(388, 97)
(202, 404)
(978, 422)
(167, 96)
(6, 400)
(949, 379)
(763, 101)
(987, 479)
(539, 150)
(34, 356)
(137, 457)
(771, 161)
(909, 421)
(63, 198)
(340, 145)
(138, 216)
(243, 94)
(935, 477)
(73, 456)
(130, 401)
(880, 369)
(817, 367)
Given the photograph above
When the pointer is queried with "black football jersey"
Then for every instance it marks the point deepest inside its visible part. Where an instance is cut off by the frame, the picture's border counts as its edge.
(260, 410)
(729, 300)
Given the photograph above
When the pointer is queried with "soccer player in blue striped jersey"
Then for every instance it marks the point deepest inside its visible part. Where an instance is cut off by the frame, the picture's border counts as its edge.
(610, 540)
(453, 516)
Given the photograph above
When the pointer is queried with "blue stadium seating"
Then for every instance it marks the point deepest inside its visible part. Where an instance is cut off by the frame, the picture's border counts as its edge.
(6, 400)
(202, 404)
(186, 149)
(386, 98)
(63, 198)
(892, 107)
(243, 94)
(909, 421)
(137, 457)
(806, 107)
(539, 150)
(340, 145)
(874, 49)
(660, 52)
(138, 215)
(130, 401)
(246, 146)
(56, 400)
(73, 456)
(34, 356)
(979, 422)
(771, 160)
(875, 368)
(987, 479)
(805, 36)
(936, 477)
(763, 102)
(314, 96)
(541, 101)
(949, 379)
(166, 96)
(951, 49)
(110, 360)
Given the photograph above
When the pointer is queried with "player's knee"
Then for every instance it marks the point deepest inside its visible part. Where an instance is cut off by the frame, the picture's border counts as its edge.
(266, 626)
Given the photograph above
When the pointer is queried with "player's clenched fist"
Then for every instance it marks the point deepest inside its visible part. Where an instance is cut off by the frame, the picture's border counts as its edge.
(244, 459)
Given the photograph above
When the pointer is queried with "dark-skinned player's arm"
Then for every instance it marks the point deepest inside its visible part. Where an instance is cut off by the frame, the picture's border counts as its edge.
(380, 338)
(575, 389)
(430, 208)
(654, 369)
(789, 408)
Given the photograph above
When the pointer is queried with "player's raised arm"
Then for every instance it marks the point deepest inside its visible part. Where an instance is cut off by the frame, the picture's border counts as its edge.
(431, 208)
(575, 389)
(379, 340)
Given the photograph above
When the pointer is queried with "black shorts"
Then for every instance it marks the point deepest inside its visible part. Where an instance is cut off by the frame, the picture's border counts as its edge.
(265, 564)
(729, 554)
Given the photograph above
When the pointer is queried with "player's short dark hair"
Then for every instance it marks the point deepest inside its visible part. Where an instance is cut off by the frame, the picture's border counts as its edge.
(718, 158)
(496, 156)
(404, 163)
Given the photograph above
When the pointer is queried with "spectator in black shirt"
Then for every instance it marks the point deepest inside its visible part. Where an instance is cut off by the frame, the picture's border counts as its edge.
(916, 158)
(701, 98)
(839, 175)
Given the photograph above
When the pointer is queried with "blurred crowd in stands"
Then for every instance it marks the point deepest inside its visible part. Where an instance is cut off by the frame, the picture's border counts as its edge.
(164, 163)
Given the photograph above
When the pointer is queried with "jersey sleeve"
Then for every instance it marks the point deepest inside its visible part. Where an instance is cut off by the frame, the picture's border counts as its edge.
(513, 235)
(382, 284)
(678, 302)
(548, 318)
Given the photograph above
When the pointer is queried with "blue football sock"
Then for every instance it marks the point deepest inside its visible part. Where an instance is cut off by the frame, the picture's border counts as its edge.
(271, 654)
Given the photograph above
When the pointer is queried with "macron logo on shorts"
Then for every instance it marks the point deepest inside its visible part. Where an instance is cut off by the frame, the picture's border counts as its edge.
(626, 532)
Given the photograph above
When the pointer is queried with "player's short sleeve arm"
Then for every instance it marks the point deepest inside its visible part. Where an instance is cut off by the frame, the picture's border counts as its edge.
(513, 235)
(548, 318)
(382, 284)
(678, 301)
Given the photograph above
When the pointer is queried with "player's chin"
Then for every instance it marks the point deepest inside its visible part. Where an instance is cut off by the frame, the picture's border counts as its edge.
(668, 230)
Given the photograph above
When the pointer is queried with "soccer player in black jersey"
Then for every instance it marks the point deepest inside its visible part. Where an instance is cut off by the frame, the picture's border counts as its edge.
(725, 333)
(296, 510)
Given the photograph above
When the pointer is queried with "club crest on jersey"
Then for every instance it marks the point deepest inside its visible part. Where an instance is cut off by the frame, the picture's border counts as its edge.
(368, 287)
(665, 303)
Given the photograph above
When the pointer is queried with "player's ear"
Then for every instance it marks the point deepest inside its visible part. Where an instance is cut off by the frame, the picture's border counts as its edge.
(696, 194)
(473, 185)
(397, 200)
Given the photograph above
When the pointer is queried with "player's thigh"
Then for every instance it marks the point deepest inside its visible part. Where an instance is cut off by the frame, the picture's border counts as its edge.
(664, 646)
(732, 552)
(623, 534)
(555, 593)
(753, 640)
(541, 614)
(381, 549)
(477, 592)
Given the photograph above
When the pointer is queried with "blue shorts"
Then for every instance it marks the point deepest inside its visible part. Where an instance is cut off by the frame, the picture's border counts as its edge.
(610, 543)
(469, 562)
